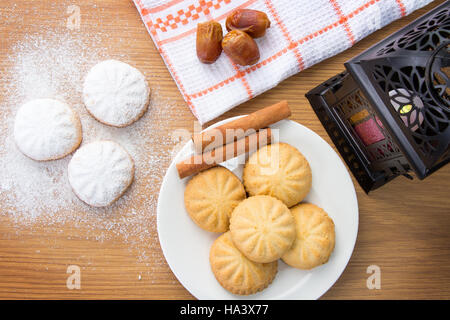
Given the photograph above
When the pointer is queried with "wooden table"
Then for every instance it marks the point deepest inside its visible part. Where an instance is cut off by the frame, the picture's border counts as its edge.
(404, 226)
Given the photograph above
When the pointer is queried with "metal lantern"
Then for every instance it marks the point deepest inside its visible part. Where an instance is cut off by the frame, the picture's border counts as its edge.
(388, 113)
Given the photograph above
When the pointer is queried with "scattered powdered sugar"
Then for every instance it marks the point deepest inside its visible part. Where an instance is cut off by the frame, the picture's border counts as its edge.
(53, 65)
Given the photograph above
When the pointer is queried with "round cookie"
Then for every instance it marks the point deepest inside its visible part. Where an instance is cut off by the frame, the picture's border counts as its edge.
(263, 229)
(100, 172)
(116, 93)
(278, 170)
(314, 240)
(235, 272)
(47, 129)
(211, 196)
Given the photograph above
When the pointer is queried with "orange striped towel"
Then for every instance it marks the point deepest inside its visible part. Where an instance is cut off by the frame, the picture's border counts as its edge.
(302, 33)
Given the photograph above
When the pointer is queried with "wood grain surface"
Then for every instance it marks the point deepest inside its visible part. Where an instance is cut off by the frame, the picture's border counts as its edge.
(404, 227)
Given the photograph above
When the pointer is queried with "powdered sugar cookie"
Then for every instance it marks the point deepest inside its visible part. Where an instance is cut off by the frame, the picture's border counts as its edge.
(116, 93)
(47, 129)
(100, 172)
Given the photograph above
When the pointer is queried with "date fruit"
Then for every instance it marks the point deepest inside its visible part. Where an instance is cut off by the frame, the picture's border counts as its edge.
(252, 22)
(240, 47)
(209, 41)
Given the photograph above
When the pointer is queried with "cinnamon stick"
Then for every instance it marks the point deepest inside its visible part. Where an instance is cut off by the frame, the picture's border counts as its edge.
(200, 162)
(236, 129)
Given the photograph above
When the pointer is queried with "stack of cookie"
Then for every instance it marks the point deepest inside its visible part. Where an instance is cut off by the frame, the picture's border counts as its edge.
(270, 224)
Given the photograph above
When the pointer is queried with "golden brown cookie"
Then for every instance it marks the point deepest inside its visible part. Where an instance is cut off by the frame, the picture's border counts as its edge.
(211, 196)
(315, 237)
(235, 272)
(278, 170)
(263, 229)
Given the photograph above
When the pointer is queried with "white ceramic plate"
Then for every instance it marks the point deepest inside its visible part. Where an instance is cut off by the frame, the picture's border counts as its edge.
(186, 246)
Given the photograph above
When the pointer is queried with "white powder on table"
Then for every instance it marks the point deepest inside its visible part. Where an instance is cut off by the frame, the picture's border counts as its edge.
(34, 193)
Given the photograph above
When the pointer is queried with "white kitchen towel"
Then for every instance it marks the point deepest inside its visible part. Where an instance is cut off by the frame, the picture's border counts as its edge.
(302, 33)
